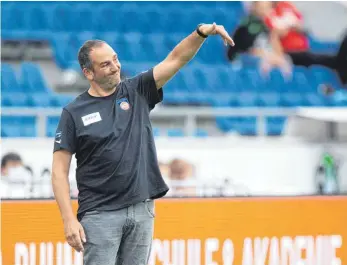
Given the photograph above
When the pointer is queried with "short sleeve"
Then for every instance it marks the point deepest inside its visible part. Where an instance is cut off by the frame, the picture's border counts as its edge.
(145, 85)
(65, 136)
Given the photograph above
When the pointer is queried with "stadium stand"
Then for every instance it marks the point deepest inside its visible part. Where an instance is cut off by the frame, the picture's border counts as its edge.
(143, 35)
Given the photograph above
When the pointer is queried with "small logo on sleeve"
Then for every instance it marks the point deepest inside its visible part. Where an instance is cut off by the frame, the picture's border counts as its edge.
(123, 103)
(91, 118)
(58, 137)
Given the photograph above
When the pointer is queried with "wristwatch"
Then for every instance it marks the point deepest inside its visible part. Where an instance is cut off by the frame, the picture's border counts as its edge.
(199, 32)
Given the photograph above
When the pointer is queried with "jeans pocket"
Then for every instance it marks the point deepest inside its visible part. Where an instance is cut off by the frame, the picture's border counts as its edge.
(91, 213)
(149, 206)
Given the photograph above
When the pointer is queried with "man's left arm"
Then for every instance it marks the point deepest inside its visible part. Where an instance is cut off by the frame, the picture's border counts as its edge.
(185, 51)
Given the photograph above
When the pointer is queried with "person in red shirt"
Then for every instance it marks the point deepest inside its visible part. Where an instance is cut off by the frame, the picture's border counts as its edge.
(286, 21)
(253, 37)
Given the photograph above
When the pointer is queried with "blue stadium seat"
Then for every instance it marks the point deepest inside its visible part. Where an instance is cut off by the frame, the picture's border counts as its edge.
(275, 125)
(37, 18)
(251, 80)
(227, 124)
(201, 133)
(110, 38)
(124, 52)
(138, 20)
(196, 86)
(15, 99)
(153, 11)
(175, 132)
(247, 61)
(9, 81)
(62, 18)
(14, 10)
(176, 84)
(132, 47)
(247, 126)
(275, 78)
(10, 126)
(40, 99)
(6, 16)
(195, 79)
(211, 46)
(31, 78)
(322, 75)
(268, 99)
(61, 51)
(171, 40)
(156, 132)
(52, 124)
(248, 99)
(175, 20)
(291, 99)
(301, 80)
(314, 99)
(28, 127)
(108, 18)
(18, 126)
(61, 100)
(155, 43)
(83, 17)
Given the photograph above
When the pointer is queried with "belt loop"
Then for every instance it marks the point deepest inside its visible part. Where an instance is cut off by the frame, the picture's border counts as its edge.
(130, 211)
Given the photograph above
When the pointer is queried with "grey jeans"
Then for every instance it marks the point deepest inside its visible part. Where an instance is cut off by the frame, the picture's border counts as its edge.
(121, 237)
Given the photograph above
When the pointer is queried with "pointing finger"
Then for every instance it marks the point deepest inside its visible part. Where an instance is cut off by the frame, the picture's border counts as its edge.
(226, 36)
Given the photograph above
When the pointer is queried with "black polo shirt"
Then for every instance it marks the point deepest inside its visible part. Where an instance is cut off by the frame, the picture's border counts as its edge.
(113, 141)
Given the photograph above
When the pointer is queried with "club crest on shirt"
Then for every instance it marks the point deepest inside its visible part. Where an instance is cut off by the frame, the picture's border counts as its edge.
(123, 103)
(58, 137)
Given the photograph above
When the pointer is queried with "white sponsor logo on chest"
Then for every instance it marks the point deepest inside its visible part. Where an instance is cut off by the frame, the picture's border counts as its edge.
(91, 118)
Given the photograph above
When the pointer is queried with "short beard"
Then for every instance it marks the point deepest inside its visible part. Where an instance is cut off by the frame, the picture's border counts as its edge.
(107, 86)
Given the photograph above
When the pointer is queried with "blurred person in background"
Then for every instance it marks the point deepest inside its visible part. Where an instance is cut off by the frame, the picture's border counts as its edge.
(286, 21)
(16, 178)
(327, 174)
(181, 179)
(253, 37)
(164, 170)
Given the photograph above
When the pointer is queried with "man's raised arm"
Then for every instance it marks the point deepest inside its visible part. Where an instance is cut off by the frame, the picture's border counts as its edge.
(185, 51)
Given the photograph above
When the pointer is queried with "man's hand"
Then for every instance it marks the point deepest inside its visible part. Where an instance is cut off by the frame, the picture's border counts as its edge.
(74, 234)
(214, 29)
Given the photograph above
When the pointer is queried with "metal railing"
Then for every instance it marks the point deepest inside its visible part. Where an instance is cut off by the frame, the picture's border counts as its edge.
(188, 114)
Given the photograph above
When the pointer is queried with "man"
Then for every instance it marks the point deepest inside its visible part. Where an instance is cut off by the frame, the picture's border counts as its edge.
(109, 130)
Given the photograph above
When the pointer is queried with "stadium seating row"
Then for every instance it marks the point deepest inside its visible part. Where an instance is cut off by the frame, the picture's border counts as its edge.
(127, 26)
(196, 83)
(133, 46)
(116, 16)
(26, 127)
(27, 88)
(220, 85)
(230, 99)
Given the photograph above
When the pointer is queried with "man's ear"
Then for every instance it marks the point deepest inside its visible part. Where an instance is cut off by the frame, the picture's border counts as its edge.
(88, 74)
